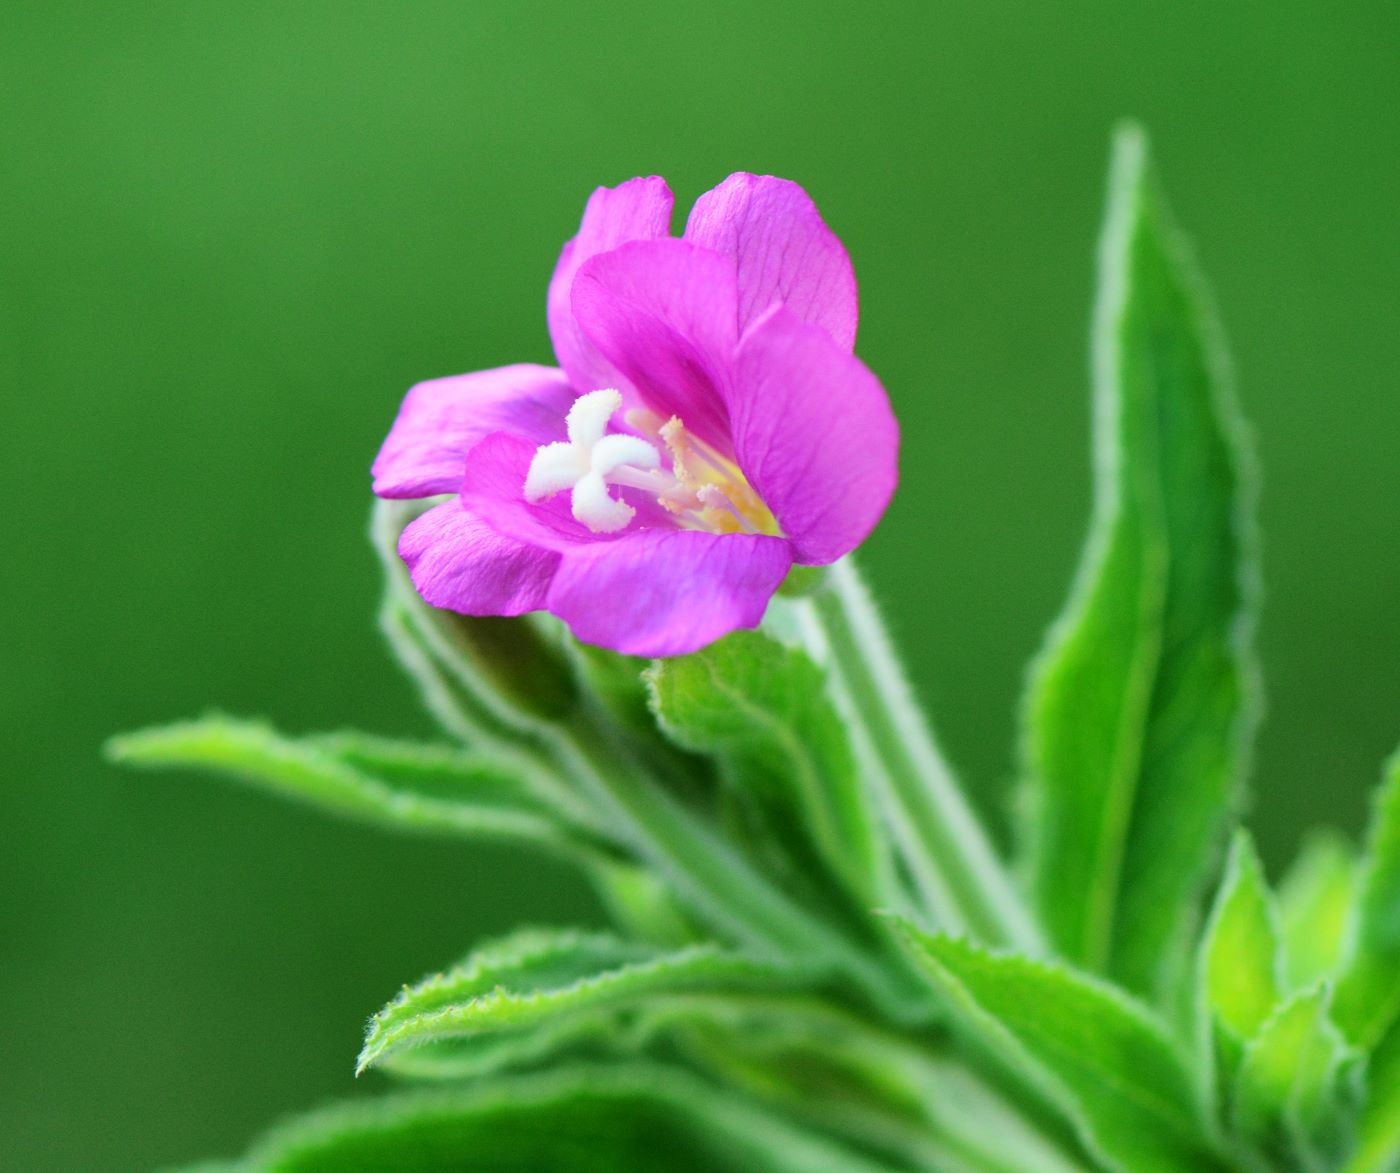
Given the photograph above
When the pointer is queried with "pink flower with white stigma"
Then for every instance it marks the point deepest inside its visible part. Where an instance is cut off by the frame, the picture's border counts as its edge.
(708, 428)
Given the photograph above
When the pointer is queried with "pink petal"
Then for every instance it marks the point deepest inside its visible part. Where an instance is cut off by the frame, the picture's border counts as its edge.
(814, 434)
(493, 489)
(663, 313)
(458, 562)
(639, 209)
(660, 593)
(783, 250)
(441, 420)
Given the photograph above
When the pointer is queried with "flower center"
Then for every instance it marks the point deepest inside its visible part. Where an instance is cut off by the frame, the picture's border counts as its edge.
(702, 490)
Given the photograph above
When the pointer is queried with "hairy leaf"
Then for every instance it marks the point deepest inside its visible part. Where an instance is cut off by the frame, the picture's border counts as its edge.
(1299, 1088)
(1099, 1056)
(1315, 900)
(1368, 998)
(1140, 706)
(762, 710)
(531, 996)
(526, 999)
(910, 1096)
(1378, 1147)
(528, 958)
(1240, 954)
(583, 1120)
(430, 789)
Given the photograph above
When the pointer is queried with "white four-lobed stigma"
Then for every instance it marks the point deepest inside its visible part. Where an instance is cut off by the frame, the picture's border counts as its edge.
(589, 461)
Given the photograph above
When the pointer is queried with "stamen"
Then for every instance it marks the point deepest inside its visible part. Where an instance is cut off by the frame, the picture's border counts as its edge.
(713, 497)
(702, 490)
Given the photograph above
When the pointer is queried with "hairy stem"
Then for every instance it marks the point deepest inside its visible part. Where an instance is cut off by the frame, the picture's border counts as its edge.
(963, 883)
(711, 877)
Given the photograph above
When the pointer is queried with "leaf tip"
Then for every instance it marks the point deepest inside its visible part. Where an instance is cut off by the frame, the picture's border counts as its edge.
(141, 747)
(1242, 859)
(1131, 142)
(120, 748)
(367, 1056)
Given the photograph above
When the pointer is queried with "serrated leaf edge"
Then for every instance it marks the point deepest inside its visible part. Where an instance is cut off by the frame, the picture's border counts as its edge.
(507, 1009)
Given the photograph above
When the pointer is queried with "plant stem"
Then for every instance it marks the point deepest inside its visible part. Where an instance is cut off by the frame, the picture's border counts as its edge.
(711, 877)
(963, 883)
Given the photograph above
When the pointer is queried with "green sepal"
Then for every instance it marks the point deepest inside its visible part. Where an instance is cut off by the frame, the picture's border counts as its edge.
(1082, 1045)
(1141, 705)
(802, 581)
(482, 677)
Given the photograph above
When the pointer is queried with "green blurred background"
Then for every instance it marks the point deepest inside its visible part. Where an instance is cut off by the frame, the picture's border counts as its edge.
(231, 235)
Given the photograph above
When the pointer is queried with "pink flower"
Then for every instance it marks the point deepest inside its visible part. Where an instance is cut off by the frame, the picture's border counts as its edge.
(709, 428)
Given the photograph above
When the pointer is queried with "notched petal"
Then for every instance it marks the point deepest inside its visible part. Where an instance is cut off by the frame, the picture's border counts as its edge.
(639, 209)
(783, 252)
(663, 313)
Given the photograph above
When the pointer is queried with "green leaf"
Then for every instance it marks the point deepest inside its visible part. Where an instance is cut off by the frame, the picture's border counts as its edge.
(429, 789)
(761, 709)
(1368, 997)
(1299, 1088)
(1315, 900)
(528, 998)
(583, 1120)
(528, 958)
(1378, 1147)
(1100, 1057)
(524, 1000)
(1141, 704)
(1240, 953)
(907, 1095)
